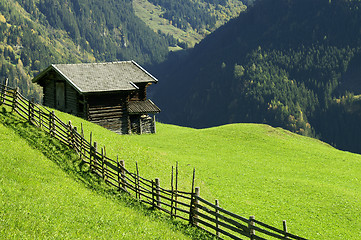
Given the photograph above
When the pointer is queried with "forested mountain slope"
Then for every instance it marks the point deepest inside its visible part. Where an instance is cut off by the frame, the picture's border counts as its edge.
(35, 34)
(187, 21)
(285, 63)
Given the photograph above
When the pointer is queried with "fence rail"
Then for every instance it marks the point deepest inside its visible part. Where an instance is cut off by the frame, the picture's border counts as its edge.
(188, 206)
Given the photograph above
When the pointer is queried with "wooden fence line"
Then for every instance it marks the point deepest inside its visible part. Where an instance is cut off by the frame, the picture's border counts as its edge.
(188, 206)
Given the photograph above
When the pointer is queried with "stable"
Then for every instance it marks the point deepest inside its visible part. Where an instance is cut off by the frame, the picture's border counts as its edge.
(112, 95)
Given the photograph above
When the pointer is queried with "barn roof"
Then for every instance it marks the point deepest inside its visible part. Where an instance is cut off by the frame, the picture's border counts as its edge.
(147, 106)
(101, 77)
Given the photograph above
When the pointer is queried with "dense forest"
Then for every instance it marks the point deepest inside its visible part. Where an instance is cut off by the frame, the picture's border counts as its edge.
(290, 64)
(199, 14)
(37, 33)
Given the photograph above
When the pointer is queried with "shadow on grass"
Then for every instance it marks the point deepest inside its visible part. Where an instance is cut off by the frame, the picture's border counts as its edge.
(69, 161)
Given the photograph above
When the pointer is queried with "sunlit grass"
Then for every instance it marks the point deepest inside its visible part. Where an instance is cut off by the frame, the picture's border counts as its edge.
(45, 193)
(253, 170)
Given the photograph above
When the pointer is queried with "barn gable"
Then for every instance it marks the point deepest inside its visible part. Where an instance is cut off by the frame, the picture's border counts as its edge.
(104, 93)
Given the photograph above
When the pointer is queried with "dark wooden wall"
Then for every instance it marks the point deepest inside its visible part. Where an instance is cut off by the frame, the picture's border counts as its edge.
(110, 111)
(141, 93)
(72, 100)
(48, 91)
(71, 95)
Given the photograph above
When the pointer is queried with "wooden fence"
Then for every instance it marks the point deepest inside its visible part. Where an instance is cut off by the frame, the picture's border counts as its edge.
(188, 206)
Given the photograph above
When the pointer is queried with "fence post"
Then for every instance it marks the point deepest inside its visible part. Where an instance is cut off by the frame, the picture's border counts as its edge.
(122, 174)
(15, 99)
(137, 186)
(70, 133)
(217, 211)
(157, 192)
(81, 142)
(52, 123)
(285, 228)
(172, 196)
(2, 95)
(195, 209)
(3, 92)
(105, 164)
(103, 171)
(176, 189)
(93, 150)
(192, 199)
(31, 111)
(251, 224)
(90, 144)
(40, 121)
(118, 173)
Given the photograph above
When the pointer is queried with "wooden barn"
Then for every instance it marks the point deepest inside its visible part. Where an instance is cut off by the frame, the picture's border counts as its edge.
(113, 95)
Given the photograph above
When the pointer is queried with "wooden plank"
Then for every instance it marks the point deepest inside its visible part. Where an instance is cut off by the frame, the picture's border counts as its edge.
(268, 233)
(287, 234)
(99, 108)
(224, 218)
(102, 117)
(214, 228)
(106, 110)
(182, 210)
(224, 211)
(225, 225)
(21, 114)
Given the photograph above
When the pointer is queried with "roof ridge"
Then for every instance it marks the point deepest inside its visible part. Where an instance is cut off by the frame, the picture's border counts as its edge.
(96, 63)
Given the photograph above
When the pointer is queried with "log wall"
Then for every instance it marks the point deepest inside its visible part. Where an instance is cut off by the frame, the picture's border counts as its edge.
(71, 100)
(49, 93)
(109, 111)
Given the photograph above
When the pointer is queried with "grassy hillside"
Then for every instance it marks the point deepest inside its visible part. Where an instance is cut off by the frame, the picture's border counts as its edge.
(253, 170)
(39, 200)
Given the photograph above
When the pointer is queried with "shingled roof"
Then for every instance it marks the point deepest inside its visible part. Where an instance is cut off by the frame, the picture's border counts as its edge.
(101, 77)
(138, 107)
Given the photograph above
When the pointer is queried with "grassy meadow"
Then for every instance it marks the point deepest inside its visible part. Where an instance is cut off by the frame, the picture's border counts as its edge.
(252, 169)
(45, 194)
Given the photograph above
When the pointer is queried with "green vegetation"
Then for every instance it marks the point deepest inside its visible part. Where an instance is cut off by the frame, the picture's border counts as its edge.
(252, 169)
(150, 14)
(281, 62)
(35, 34)
(187, 21)
(42, 201)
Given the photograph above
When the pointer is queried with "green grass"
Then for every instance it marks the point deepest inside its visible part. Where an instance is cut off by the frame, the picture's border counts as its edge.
(253, 170)
(46, 193)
